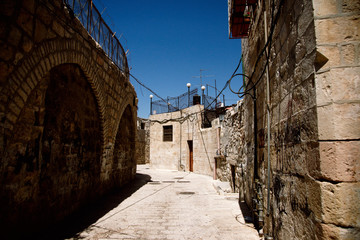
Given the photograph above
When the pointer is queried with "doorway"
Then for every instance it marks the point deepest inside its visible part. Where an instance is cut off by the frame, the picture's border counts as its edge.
(191, 160)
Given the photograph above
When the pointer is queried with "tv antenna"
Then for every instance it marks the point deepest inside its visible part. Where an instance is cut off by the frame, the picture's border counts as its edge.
(201, 76)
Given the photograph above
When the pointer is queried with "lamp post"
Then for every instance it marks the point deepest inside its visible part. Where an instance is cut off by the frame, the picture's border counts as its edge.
(188, 86)
(151, 97)
(203, 95)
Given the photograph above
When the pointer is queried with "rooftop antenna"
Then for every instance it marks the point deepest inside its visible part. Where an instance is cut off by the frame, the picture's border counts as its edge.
(201, 76)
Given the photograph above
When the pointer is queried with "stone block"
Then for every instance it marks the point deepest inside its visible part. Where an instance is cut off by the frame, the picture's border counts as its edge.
(43, 15)
(27, 44)
(339, 203)
(339, 121)
(330, 231)
(324, 8)
(5, 71)
(40, 31)
(350, 6)
(337, 30)
(7, 52)
(338, 85)
(58, 29)
(340, 161)
(332, 53)
(348, 54)
(25, 21)
(14, 36)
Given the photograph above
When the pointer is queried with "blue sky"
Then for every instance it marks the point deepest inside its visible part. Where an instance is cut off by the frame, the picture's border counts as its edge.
(170, 41)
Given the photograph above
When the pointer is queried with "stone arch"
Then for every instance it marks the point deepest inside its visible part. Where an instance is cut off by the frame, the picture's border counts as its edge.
(53, 160)
(32, 69)
(124, 162)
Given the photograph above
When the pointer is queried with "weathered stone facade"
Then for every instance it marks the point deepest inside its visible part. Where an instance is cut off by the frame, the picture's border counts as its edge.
(233, 167)
(143, 141)
(188, 137)
(68, 116)
(314, 115)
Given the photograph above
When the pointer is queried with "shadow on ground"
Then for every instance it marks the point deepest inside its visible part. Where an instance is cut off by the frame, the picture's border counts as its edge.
(87, 215)
(246, 212)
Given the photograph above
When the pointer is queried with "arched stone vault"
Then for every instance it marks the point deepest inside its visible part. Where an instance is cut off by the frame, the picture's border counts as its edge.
(39, 37)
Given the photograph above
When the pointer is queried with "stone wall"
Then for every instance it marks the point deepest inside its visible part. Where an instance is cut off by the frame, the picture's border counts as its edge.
(67, 115)
(314, 114)
(186, 131)
(232, 135)
(337, 174)
(143, 141)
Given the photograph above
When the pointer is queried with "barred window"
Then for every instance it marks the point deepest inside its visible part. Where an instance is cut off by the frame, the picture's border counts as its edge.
(167, 133)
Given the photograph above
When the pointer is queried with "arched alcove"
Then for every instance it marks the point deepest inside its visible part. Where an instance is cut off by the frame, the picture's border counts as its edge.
(54, 154)
(124, 162)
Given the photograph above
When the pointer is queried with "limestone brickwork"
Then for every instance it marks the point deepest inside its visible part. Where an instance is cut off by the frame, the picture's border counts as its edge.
(314, 116)
(232, 148)
(68, 115)
(337, 86)
(143, 141)
(175, 154)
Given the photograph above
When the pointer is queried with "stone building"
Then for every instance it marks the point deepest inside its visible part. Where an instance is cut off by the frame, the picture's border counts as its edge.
(301, 142)
(231, 164)
(143, 141)
(178, 141)
(67, 111)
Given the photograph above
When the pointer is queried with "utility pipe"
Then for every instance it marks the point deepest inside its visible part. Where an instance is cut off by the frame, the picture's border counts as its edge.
(180, 165)
(218, 129)
(268, 118)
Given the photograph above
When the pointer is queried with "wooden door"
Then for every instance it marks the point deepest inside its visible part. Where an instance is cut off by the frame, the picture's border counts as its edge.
(191, 160)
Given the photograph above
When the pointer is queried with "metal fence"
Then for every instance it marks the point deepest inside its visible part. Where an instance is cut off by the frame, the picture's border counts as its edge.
(174, 103)
(91, 19)
(183, 101)
(209, 102)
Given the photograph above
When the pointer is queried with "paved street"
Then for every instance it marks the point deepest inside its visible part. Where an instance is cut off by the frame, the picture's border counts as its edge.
(163, 204)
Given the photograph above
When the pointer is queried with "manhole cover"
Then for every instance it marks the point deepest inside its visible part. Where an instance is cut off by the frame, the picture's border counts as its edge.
(154, 182)
(168, 181)
(232, 198)
(183, 181)
(186, 193)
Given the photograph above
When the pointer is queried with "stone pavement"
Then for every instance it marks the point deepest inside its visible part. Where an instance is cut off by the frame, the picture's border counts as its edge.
(171, 205)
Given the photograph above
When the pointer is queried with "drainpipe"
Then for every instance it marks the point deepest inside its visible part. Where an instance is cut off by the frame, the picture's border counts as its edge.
(180, 165)
(268, 126)
(268, 119)
(218, 147)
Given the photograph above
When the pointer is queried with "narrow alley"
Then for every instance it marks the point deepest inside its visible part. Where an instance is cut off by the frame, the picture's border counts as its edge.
(162, 204)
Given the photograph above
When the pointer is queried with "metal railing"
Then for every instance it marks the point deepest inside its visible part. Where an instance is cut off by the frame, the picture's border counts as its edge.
(91, 19)
(174, 103)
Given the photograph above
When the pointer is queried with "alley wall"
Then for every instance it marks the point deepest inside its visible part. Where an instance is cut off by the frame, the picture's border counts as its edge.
(314, 116)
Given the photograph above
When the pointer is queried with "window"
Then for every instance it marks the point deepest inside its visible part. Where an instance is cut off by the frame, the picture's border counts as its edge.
(167, 133)
(142, 125)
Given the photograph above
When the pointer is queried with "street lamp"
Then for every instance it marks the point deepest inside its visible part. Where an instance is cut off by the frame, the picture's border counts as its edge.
(203, 95)
(151, 97)
(188, 86)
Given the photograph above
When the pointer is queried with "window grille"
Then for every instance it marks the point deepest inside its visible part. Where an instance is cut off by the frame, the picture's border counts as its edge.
(167, 133)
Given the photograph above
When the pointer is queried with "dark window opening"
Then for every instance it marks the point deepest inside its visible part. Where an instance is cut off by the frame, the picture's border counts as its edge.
(142, 125)
(168, 133)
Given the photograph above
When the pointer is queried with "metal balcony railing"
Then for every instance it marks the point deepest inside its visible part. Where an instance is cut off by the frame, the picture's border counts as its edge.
(91, 19)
